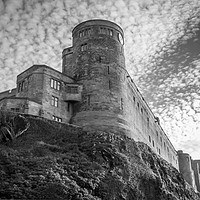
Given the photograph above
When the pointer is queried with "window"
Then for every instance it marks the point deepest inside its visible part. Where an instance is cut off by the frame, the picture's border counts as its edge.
(101, 59)
(138, 105)
(68, 107)
(153, 143)
(110, 32)
(81, 34)
(149, 138)
(15, 109)
(21, 86)
(85, 32)
(122, 104)
(55, 118)
(134, 99)
(159, 151)
(109, 84)
(88, 31)
(72, 89)
(54, 101)
(108, 70)
(55, 84)
(120, 38)
(84, 47)
(103, 30)
(141, 110)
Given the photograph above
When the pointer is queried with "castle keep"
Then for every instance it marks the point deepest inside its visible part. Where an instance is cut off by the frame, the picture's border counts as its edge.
(94, 90)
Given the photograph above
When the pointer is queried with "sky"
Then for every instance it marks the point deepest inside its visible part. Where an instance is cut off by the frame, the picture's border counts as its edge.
(161, 49)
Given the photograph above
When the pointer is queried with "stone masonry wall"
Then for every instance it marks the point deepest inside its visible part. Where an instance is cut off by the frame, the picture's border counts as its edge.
(110, 100)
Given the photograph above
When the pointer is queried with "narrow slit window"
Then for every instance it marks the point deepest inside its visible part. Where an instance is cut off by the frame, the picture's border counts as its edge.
(88, 100)
(68, 107)
(149, 138)
(122, 104)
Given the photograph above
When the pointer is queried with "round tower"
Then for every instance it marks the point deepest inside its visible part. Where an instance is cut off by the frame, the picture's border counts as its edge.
(98, 64)
(185, 167)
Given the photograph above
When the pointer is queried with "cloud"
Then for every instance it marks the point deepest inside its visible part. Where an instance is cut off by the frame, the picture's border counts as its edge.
(156, 36)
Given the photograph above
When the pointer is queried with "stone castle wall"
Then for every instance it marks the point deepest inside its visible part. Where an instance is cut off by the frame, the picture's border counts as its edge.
(37, 86)
(110, 100)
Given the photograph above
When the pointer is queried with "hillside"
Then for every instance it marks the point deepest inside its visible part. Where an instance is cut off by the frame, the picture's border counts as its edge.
(56, 161)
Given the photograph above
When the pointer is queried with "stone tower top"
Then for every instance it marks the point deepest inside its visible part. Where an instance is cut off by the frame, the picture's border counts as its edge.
(99, 22)
(98, 27)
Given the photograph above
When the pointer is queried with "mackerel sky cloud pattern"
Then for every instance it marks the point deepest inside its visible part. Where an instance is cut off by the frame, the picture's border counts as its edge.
(161, 47)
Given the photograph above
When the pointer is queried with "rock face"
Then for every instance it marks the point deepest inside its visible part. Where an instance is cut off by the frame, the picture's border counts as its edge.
(12, 126)
(55, 161)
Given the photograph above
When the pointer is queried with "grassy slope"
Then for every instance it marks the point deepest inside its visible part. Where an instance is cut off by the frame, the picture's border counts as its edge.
(54, 162)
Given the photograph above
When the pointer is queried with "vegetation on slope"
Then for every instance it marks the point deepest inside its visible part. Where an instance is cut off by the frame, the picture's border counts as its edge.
(54, 161)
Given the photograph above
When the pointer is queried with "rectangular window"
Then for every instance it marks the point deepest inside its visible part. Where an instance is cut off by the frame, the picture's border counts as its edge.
(52, 83)
(21, 86)
(101, 59)
(108, 70)
(55, 118)
(54, 101)
(88, 31)
(110, 32)
(85, 32)
(55, 84)
(81, 33)
(15, 109)
(103, 31)
(72, 89)
(68, 107)
(84, 47)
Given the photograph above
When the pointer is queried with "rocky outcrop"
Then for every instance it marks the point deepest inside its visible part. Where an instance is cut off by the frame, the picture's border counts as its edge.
(55, 161)
(11, 126)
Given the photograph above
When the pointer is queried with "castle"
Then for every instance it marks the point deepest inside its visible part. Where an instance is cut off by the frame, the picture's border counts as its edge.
(95, 91)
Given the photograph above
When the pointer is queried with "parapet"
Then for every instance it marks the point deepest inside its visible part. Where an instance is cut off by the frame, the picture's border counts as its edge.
(96, 22)
(97, 27)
